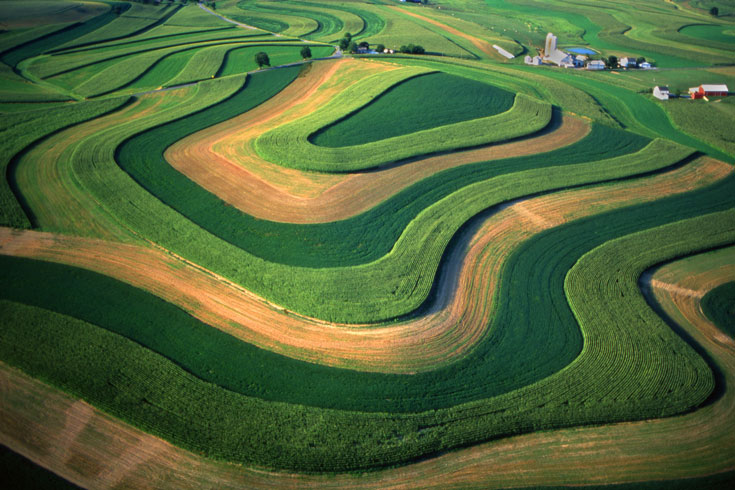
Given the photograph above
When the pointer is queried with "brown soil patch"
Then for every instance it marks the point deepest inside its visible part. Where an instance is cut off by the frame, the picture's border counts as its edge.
(222, 160)
(696, 444)
(452, 325)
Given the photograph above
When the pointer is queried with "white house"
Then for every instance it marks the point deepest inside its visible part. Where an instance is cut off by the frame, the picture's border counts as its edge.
(596, 65)
(627, 62)
(536, 60)
(645, 65)
(661, 92)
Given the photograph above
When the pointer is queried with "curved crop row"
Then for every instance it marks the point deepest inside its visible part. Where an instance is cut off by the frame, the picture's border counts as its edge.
(23, 131)
(402, 109)
(289, 145)
(571, 396)
(394, 293)
(448, 328)
(344, 242)
(692, 445)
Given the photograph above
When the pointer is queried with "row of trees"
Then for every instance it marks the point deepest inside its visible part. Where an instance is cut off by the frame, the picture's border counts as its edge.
(262, 59)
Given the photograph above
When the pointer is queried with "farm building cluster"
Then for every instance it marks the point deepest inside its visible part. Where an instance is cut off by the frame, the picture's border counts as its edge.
(553, 55)
(701, 92)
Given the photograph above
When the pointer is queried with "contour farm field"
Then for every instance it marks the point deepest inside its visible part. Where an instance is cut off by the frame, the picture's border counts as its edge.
(363, 244)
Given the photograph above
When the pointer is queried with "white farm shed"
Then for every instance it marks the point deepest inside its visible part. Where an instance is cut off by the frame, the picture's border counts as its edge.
(661, 92)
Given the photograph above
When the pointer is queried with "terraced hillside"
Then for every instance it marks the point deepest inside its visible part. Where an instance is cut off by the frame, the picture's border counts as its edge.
(363, 270)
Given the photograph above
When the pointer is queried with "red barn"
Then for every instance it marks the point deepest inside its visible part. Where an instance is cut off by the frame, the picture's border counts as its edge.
(720, 90)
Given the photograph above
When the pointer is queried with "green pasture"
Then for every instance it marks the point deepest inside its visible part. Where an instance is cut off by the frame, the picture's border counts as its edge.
(708, 32)
(628, 28)
(719, 306)
(633, 111)
(564, 95)
(242, 60)
(418, 103)
(726, 7)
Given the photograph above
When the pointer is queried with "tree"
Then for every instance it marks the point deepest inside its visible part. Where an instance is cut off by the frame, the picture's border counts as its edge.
(612, 61)
(364, 45)
(306, 52)
(412, 49)
(344, 43)
(640, 60)
(261, 58)
(380, 48)
(714, 11)
(352, 47)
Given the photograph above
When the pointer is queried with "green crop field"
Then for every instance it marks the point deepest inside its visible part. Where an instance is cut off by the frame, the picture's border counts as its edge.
(719, 306)
(365, 270)
(402, 109)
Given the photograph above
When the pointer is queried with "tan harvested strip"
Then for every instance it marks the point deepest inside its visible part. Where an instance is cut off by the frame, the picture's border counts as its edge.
(447, 331)
(701, 443)
(222, 160)
(312, 89)
(674, 289)
(481, 44)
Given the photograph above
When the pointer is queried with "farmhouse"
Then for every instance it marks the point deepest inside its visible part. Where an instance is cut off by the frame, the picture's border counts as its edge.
(596, 65)
(645, 65)
(706, 90)
(661, 92)
(627, 62)
(536, 60)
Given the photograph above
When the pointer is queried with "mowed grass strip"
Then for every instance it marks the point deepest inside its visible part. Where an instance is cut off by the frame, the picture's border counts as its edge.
(606, 383)
(289, 145)
(419, 103)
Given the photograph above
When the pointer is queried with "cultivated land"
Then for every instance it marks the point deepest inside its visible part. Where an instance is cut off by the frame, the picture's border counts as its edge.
(370, 270)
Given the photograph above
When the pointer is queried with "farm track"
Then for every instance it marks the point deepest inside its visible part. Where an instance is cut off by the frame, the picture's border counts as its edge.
(222, 160)
(453, 324)
(103, 452)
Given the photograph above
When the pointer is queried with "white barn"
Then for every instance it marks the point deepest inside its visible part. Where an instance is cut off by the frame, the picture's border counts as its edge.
(661, 92)
(596, 65)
